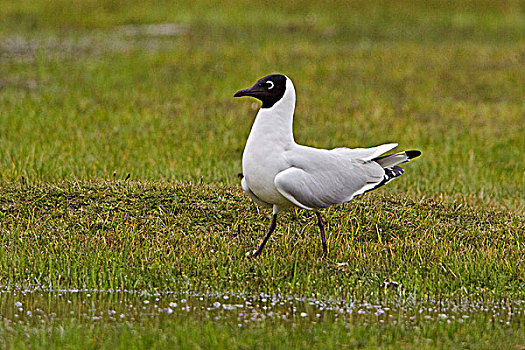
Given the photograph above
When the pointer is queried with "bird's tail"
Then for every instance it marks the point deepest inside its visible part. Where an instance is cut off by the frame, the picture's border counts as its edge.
(396, 158)
(390, 162)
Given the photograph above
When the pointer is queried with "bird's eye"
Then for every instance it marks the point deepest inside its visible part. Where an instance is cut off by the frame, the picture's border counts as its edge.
(270, 83)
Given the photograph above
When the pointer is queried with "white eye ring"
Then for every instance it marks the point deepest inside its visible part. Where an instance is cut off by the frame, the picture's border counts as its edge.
(269, 82)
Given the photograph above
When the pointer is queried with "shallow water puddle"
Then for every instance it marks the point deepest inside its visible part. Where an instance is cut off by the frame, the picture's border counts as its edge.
(26, 306)
(151, 38)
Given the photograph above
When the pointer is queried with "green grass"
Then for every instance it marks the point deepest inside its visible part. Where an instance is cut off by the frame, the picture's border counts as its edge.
(93, 102)
(83, 106)
(156, 236)
(206, 334)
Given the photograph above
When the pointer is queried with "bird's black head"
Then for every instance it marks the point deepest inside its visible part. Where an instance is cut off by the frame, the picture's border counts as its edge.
(269, 90)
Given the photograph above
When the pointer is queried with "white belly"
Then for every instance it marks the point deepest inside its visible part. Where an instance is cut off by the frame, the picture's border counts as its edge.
(260, 167)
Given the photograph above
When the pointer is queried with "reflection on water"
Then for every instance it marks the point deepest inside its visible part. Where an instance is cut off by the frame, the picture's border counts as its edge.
(41, 306)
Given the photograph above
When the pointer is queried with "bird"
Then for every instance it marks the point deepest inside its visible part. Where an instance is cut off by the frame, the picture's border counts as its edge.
(280, 174)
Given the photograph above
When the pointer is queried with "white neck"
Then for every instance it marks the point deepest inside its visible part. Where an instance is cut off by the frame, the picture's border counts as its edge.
(275, 124)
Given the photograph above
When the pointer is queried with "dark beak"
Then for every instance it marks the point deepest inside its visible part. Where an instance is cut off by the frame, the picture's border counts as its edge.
(241, 93)
(254, 91)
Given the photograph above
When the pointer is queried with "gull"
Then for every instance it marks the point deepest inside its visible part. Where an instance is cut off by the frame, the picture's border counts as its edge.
(280, 174)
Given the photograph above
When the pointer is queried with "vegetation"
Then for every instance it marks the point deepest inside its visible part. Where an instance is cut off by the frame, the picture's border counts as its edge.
(157, 236)
(120, 146)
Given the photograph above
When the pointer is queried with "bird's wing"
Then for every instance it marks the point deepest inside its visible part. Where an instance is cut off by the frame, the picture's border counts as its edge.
(365, 153)
(252, 195)
(320, 178)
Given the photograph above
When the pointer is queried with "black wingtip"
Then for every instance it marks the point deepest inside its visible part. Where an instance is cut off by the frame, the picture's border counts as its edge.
(392, 172)
(413, 154)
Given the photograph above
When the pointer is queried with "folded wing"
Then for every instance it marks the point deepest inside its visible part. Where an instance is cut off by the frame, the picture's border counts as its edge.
(320, 178)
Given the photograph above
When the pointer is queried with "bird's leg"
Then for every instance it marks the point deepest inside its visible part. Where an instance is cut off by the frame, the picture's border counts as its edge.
(268, 234)
(321, 228)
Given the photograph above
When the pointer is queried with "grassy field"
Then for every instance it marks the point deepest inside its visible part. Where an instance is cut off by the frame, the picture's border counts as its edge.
(120, 147)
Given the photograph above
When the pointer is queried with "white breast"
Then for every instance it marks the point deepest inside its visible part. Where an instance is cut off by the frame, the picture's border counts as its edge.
(270, 137)
(260, 165)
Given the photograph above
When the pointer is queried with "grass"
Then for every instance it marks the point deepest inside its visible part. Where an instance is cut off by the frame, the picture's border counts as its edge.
(191, 334)
(140, 236)
(92, 102)
(119, 155)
